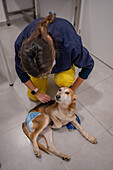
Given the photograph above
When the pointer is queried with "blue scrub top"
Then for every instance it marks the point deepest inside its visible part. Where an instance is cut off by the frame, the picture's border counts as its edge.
(68, 45)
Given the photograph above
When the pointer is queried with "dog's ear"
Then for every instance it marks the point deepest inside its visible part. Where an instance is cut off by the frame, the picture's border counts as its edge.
(75, 97)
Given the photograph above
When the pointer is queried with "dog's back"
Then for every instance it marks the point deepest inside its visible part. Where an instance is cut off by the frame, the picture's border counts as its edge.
(41, 107)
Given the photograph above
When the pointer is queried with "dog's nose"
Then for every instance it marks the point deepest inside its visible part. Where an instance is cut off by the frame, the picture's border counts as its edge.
(58, 97)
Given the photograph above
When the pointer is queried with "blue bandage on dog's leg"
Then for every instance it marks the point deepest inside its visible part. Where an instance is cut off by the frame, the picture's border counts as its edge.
(71, 127)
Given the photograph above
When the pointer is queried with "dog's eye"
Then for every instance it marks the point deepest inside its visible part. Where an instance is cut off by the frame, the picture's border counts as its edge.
(67, 92)
(59, 89)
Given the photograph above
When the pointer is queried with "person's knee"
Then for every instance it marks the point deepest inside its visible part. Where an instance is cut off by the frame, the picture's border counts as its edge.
(40, 84)
(64, 80)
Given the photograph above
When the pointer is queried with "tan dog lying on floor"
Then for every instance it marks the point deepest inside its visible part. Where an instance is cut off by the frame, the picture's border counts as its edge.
(60, 112)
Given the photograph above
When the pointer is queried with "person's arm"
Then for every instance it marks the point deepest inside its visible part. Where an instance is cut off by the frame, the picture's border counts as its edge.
(25, 78)
(40, 96)
(82, 60)
(77, 83)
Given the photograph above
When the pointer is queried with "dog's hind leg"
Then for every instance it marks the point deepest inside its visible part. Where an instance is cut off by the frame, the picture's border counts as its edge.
(50, 145)
(42, 122)
(39, 124)
(25, 130)
(89, 137)
(42, 147)
(33, 138)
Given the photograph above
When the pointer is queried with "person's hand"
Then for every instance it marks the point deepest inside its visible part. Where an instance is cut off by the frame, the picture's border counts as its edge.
(42, 97)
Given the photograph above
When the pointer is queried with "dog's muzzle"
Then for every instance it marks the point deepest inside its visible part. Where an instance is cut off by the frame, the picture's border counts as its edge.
(58, 97)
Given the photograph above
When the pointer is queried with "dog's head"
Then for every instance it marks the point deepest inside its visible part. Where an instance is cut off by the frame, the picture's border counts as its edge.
(65, 95)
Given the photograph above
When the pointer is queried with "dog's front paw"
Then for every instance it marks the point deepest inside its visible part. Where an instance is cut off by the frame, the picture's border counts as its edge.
(93, 140)
(65, 157)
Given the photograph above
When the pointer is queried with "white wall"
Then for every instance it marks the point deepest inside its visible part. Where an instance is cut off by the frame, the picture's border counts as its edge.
(63, 8)
(2, 15)
(97, 29)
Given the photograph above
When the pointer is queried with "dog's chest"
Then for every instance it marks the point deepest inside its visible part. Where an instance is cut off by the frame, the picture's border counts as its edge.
(62, 115)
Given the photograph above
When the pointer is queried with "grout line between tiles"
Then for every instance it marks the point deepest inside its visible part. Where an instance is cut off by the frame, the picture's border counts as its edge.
(63, 164)
(91, 86)
(8, 130)
(110, 133)
(95, 119)
(9, 87)
(1, 91)
(108, 80)
(102, 76)
(19, 99)
(110, 127)
(101, 61)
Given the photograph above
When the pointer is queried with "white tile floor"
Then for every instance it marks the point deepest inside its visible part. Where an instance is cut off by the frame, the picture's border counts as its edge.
(94, 107)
